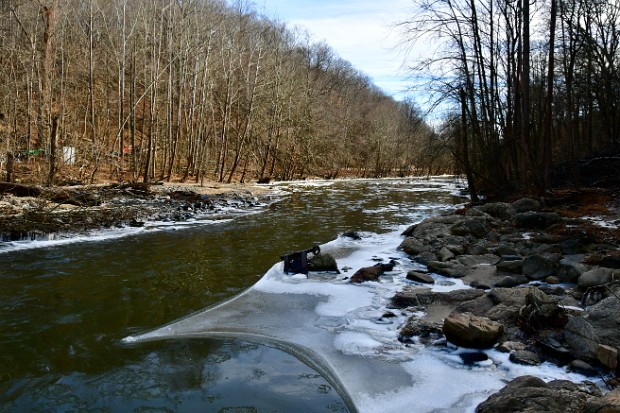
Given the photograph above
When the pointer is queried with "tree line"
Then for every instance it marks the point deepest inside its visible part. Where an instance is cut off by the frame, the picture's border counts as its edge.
(190, 90)
(529, 85)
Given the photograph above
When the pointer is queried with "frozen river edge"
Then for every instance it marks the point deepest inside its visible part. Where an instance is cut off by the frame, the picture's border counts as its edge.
(344, 331)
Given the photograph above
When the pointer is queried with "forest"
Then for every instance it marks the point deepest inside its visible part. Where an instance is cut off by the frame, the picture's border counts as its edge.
(533, 88)
(188, 90)
(195, 90)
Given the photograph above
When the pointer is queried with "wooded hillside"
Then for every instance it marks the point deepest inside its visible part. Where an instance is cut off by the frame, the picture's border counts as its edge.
(533, 86)
(191, 89)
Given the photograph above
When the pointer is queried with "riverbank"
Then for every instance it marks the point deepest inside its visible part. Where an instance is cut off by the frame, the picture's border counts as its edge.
(546, 274)
(38, 213)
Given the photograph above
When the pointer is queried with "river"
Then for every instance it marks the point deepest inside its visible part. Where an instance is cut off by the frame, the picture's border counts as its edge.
(66, 306)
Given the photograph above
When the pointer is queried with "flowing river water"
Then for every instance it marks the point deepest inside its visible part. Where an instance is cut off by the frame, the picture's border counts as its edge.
(66, 306)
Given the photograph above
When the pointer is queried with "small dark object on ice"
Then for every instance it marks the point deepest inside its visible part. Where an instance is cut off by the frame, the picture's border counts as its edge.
(372, 273)
(297, 262)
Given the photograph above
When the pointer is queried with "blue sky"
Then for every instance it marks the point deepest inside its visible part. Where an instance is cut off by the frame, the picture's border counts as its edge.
(358, 30)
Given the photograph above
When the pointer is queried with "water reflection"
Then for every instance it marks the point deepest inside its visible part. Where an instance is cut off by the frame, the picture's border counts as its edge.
(64, 308)
(187, 376)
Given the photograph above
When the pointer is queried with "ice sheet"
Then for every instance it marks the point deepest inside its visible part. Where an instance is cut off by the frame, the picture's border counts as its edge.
(340, 329)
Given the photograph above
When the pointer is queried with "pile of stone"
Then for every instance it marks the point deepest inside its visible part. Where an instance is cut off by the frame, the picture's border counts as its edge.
(548, 289)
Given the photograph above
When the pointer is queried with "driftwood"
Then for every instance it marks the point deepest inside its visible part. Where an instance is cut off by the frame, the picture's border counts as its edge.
(20, 190)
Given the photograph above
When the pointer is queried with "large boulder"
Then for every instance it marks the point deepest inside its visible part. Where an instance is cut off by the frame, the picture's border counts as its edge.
(581, 338)
(525, 205)
(413, 246)
(470, 331)
(536, 267)
(536, 220)
(474, 226)
(323, 262)
(528, 394)
(605, 318)
(594, 277)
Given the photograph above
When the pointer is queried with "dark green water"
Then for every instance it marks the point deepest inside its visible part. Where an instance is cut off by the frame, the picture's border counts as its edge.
(65, 308)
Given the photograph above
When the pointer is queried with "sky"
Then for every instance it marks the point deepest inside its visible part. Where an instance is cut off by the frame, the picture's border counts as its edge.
(359, 31)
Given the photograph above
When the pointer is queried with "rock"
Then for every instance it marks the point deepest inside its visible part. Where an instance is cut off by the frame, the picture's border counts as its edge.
(528, 394)
(453, 269)
(352, 235)
(506, 282)
(412, 246)
(610, 261)
(426, 257)
(581, 338)
(571, 247)
(371, 273)
(536, 220)
(536, 267)
(605, 318)
(474, 226)
(420, 277)
(322, 262)
(419, 328)
(476, 249)
(444, 254)
(608, 356)
(510, 264)
(508, 346)
(581, 367)
(595, 277)
(525, 205)
(609, 403)
(570, 270)
(498, 210)
(412, 297)
(541, 312)
(470, 331)
(525, 357)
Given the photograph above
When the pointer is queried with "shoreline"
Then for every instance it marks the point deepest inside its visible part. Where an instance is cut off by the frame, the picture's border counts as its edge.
(79, 210)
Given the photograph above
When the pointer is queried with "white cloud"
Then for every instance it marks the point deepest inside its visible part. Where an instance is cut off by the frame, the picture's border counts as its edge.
(358, 31)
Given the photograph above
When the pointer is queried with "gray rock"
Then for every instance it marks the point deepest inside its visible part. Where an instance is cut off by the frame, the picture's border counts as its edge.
(323, 262)
(470, 331)
(413, 246)
(595, 277)
(453, 269)
(536, 220)
(528, 394)
(444, 254)
(508, 346)
(506, 282)
(581, 367)
(605, 318)
(474, 226)
(536, 267)
(581, 338)
(609, 403)
(514, 266)
(476, 249)
(570, 270)
(498, 210)
(525, 205)
(426, 257)
(525, 357)
(420, 277)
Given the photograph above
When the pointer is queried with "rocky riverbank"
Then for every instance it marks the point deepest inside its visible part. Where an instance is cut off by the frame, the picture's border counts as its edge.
(38, 213)
(547, 278)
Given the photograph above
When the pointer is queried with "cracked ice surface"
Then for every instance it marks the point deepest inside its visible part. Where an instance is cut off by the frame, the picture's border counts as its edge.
(339, 329)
